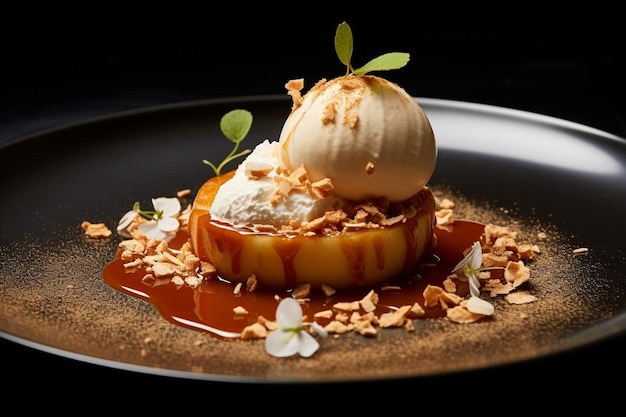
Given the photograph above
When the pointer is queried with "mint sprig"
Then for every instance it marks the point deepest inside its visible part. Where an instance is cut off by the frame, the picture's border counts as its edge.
(235, 125)
(344, 46)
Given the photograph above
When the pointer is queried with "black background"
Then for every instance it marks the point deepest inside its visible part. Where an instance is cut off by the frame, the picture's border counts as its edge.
(94, 64)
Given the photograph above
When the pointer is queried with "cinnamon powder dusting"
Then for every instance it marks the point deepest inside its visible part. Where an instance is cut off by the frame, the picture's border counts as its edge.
(347, 93)
(59, 296)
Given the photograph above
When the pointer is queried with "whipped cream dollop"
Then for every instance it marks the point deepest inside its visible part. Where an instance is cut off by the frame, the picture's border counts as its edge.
(253, 196)
(365, 133)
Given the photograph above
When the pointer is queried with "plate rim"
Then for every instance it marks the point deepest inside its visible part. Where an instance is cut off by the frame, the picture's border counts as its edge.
(427, 101)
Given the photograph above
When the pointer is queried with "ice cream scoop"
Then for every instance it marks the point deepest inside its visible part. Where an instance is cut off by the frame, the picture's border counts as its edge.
(365, 133)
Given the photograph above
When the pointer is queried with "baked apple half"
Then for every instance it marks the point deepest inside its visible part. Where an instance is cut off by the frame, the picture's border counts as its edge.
(354, 257)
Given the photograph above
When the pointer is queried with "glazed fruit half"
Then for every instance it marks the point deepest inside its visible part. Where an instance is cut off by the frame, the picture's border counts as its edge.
(352, 258)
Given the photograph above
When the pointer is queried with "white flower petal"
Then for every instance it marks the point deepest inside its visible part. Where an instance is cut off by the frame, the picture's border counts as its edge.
(184, 215)
(459, 268)
(168, 224)
(474, 285)
(319, 330)
(289, 313)
(126, 220)
(169, 236)
(473, 259)
(308, 344)
(170, 206)
(282, 344)
(151, 230)
(479, 306)
(476, 256)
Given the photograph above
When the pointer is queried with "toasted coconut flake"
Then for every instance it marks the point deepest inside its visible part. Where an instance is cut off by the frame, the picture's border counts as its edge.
(492, 232)
(516, 273)
(337, 327)
(293, 89)
(460, 314)
(301, 291)
(96, 230)
(520, 297)
(416, 311)
(328, 290)
(368, 303)
(239, 310)
(495, 287)
(446, 203)
(347, 306)
(183, 193)
(254, 331)
(432, 293)
(256, 170)
(324, 314)
(395, 318)
(444, 217)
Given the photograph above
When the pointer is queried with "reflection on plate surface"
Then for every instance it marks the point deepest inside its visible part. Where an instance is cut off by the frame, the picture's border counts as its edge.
(536, 173)
(529, 137)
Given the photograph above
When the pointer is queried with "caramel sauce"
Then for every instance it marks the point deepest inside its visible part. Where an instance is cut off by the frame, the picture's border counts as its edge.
(287, 252)
(209, 306)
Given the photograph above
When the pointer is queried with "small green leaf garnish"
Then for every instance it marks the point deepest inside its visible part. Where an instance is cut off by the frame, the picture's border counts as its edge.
(344, 45)
(344, 48)
(235, 125)
(147, 214)
(388, 61)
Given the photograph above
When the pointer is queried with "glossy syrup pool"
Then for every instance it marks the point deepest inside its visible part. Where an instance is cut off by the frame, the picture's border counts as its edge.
(209, 306)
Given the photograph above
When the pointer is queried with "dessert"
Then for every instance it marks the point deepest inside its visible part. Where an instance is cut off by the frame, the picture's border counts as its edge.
(339, 200)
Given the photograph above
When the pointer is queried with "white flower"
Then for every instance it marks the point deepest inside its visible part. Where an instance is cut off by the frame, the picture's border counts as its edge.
(164, 223)
(467, 270)
(161, 224)
(291, 338)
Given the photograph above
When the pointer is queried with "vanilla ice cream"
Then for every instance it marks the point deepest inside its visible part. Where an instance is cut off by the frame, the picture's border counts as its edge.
(366, 134)
(250, 199)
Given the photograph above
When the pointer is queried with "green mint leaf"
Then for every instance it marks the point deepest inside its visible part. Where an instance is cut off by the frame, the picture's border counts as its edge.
(236, 124)
(389, 61)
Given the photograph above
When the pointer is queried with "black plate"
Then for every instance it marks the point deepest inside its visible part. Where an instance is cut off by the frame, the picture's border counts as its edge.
(536, 173)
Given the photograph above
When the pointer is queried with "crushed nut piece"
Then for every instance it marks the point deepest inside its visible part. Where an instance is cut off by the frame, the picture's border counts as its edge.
(255, 170)
(183, 193)
(293, 89)
(444, 217)
(368, 303)
(328, 290)
(240, 310)
(460, 314)
(254, 331)
(95, 230)
(520, 297)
